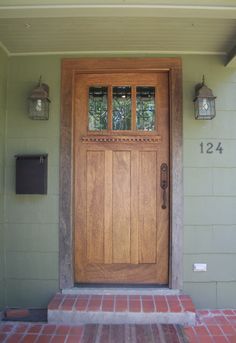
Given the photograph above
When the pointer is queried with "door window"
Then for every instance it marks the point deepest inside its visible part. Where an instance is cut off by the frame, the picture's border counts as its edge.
(98, 108)
(121, 108)
(126, 108)
(145, 108)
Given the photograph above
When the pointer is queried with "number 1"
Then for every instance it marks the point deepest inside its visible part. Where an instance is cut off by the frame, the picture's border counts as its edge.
(201, 145)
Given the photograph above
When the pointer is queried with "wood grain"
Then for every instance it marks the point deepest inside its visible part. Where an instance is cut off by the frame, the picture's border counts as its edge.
(123, 273)
(117, 220)
(134, 206)
(108, 243)
(147, 207)
(95, 206)
(121, 206)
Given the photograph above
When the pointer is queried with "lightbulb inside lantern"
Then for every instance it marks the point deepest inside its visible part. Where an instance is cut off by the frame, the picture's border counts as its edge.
(205, 104)
(39, 105)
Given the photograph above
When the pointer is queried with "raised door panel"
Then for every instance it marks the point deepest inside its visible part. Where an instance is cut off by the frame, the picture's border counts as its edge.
(95, 206)
(121, 204)
(147, 206)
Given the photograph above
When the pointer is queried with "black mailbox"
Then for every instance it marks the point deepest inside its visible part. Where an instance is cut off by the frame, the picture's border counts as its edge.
(31, 174)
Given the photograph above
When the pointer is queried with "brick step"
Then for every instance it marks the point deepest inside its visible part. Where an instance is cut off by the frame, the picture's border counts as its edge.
(121, 309)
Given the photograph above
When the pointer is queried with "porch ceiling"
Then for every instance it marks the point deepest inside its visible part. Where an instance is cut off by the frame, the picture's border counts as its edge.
(118, 28)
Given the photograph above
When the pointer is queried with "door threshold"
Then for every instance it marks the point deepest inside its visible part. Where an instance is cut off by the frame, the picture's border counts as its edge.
(125, 290)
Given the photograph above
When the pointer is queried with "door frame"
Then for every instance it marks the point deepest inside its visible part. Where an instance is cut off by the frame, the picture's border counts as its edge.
(70, 67)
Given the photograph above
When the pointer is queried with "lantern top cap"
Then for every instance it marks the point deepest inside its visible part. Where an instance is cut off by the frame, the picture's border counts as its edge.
(202, 91)
(41, 91)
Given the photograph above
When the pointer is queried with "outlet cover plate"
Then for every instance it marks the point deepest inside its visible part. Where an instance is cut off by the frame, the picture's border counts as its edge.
(199, 267)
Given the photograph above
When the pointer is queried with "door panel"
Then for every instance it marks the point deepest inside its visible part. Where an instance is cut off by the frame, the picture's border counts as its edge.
(95, 206)
(147, 207)
(121, 207)
(121, 229)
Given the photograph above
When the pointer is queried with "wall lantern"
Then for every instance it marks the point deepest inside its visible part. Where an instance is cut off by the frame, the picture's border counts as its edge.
(204, 102)
(39, 102)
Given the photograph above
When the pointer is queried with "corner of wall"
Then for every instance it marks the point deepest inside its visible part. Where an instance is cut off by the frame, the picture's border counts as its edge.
(3, 107)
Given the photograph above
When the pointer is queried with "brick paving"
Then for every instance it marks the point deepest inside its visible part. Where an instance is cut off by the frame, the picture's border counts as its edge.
(46, 333)
(122, 303)
(121, 309)
(216, 326)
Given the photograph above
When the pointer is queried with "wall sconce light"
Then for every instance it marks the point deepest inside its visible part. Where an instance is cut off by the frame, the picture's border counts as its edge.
(39, 102)
(204, 102)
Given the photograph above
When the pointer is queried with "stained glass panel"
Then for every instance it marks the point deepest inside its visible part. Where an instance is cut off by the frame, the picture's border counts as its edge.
(121, 108)
(98, 108)
(145, 108)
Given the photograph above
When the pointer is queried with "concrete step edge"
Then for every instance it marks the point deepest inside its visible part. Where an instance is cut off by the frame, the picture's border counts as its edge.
(99, 317)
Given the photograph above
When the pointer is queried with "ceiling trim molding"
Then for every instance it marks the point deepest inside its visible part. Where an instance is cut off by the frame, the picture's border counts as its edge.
(4, 48)
(128, 10)
(193, 7)
(118, 52)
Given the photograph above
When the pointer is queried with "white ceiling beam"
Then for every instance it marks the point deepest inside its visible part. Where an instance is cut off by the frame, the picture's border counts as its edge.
(168, 11)
(120, 53)
(231, 58)
(4, 48)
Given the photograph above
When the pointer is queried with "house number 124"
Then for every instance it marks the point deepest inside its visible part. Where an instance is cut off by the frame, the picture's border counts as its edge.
(210, 148)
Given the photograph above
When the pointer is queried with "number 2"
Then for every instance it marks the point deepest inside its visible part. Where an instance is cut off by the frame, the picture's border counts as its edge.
(210, 148)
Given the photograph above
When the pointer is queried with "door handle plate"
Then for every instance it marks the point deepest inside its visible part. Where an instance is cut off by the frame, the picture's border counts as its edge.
(164, 183)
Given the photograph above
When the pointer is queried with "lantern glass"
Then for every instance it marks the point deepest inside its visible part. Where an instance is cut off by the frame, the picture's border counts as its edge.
(204, 108)
(39, 109)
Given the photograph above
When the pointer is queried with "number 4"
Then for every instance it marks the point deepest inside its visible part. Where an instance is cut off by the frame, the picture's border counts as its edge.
(219, 148)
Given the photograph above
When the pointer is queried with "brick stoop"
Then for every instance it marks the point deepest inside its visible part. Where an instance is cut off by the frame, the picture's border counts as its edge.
(121, 309)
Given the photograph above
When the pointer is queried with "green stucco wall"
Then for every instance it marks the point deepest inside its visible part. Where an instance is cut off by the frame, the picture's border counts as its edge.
(31, 222)
(3, 89)
(31, 229)
(209, 187)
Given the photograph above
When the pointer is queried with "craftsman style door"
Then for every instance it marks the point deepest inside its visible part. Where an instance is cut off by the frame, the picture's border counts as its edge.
(121, 177)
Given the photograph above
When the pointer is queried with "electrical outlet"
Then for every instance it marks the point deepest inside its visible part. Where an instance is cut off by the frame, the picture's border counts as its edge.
(199, 267)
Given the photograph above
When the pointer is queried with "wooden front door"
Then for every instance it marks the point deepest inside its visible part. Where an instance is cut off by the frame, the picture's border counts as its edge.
(121, 181)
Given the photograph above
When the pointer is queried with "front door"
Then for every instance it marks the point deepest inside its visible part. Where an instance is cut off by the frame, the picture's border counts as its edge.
(121, 180)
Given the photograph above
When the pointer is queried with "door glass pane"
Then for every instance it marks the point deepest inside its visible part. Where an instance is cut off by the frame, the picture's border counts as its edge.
(121, 108)
(98, 108)
(145, 108)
